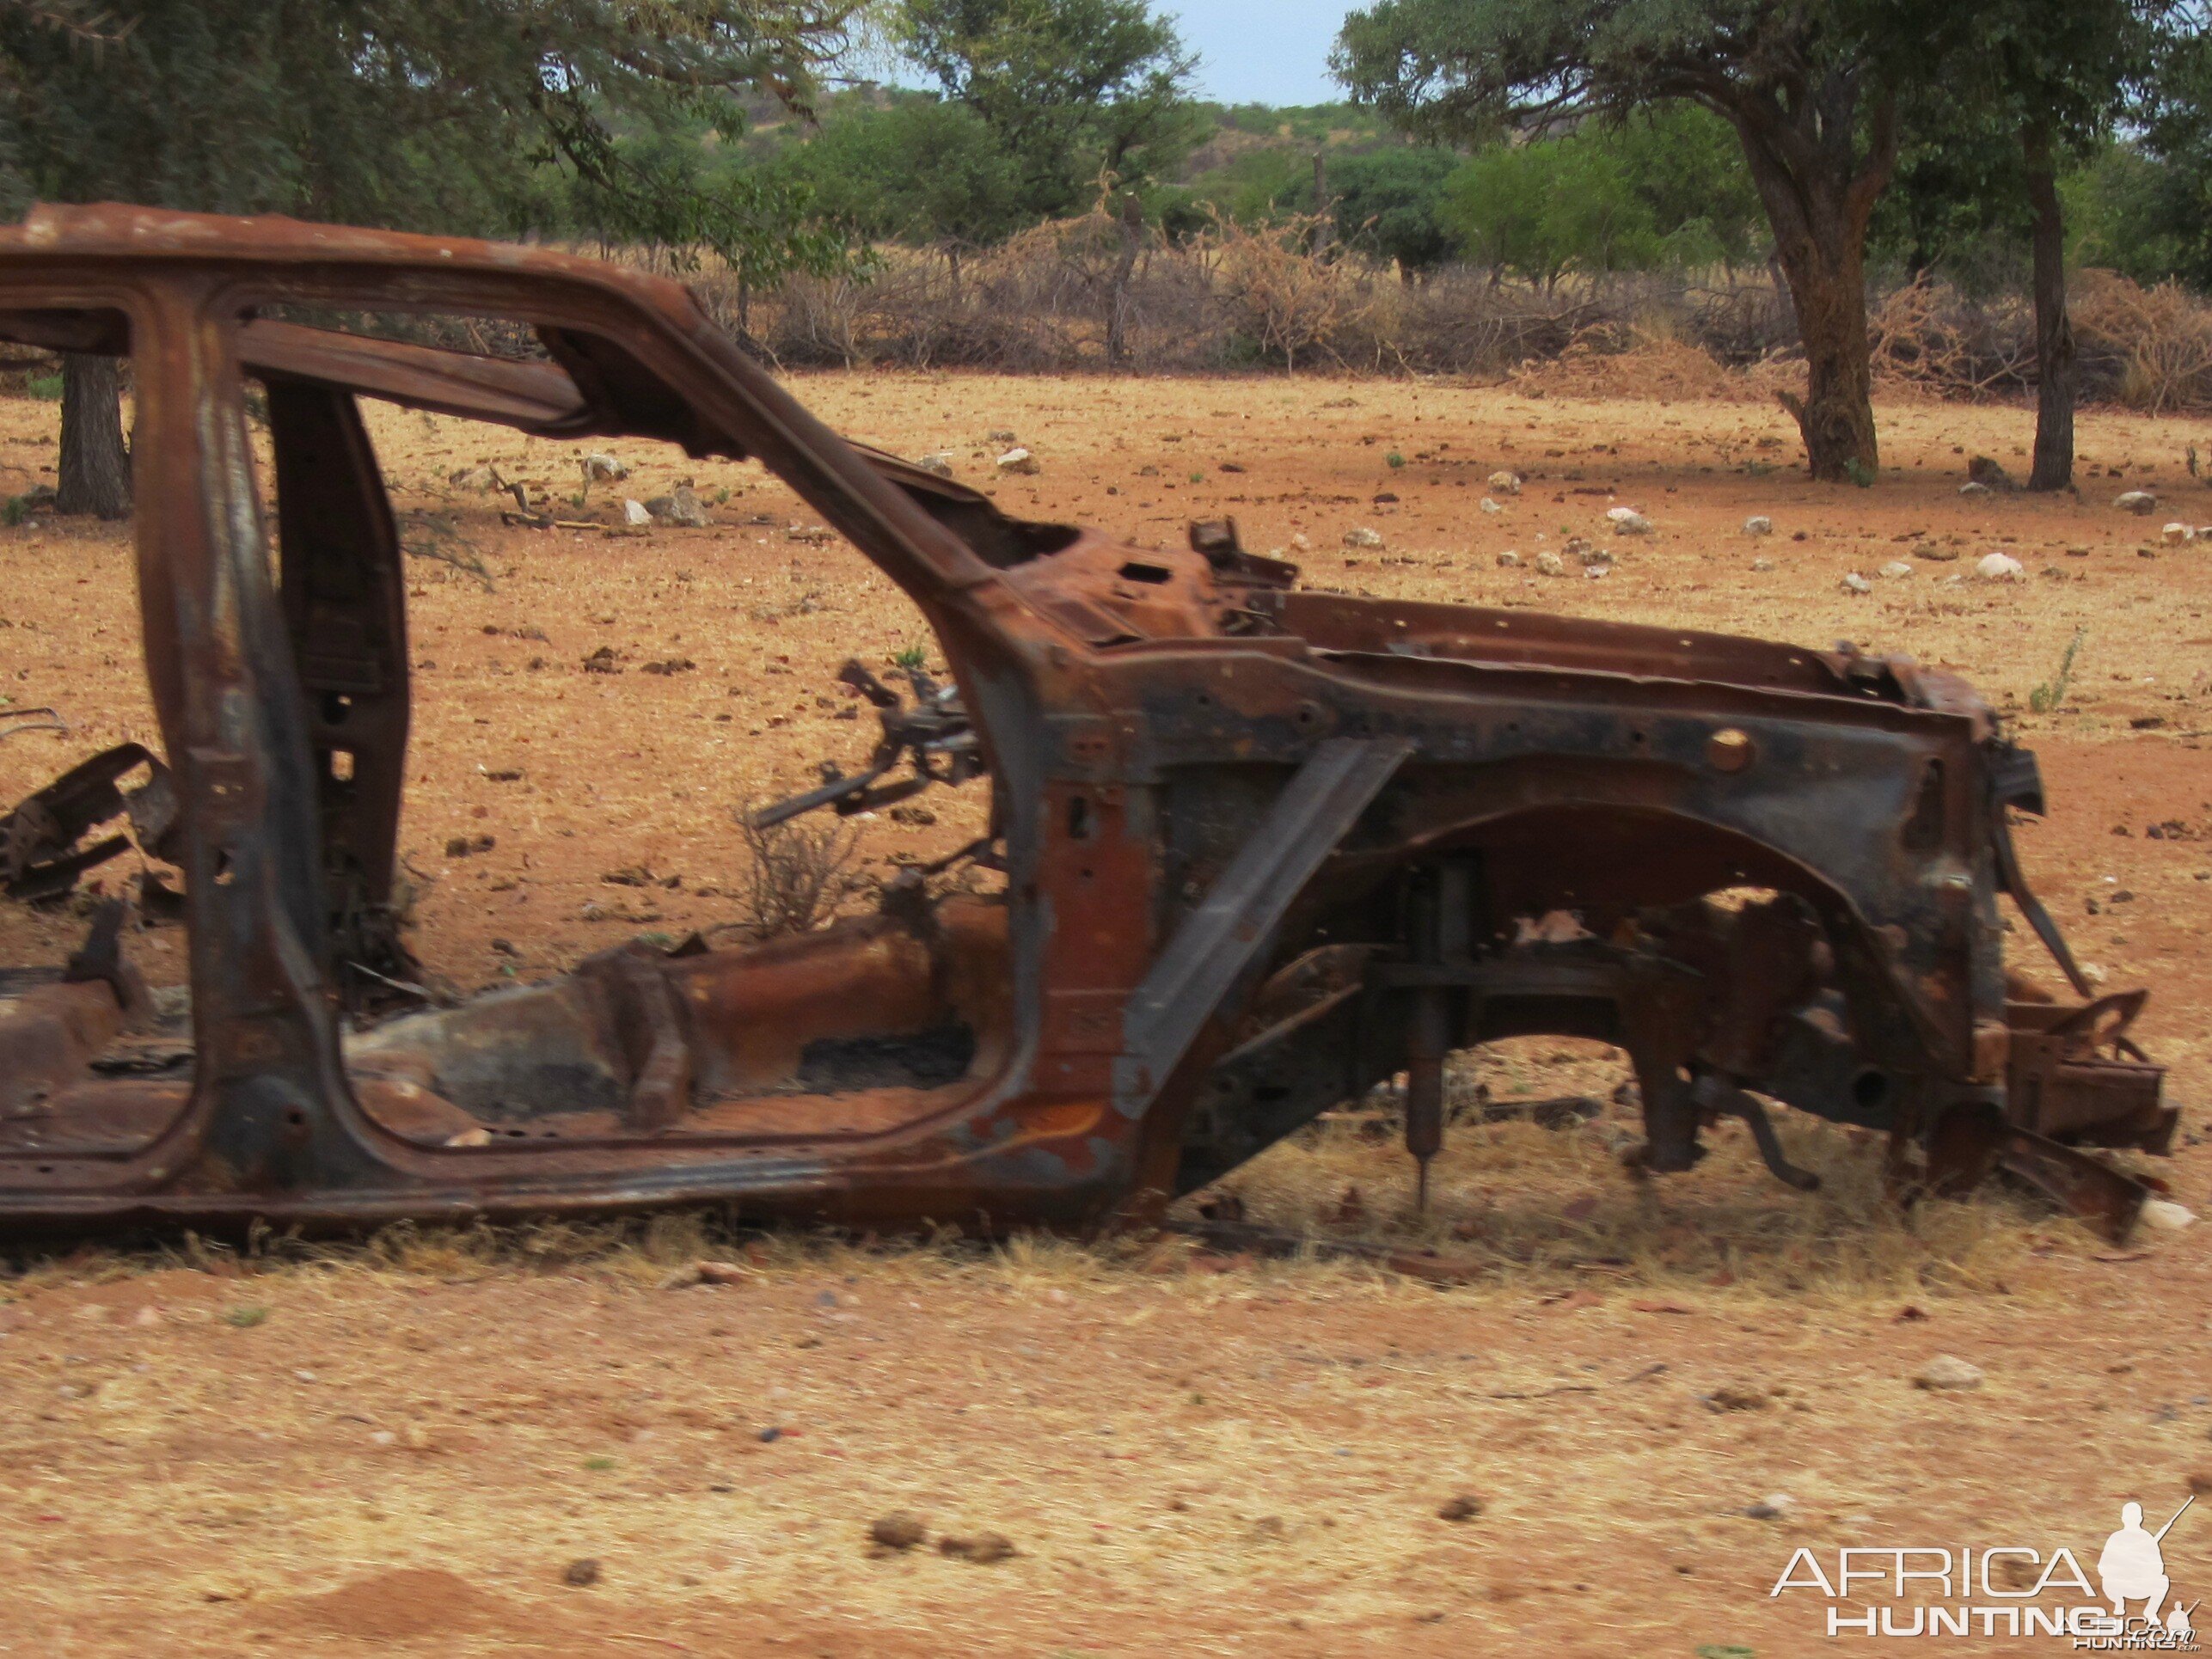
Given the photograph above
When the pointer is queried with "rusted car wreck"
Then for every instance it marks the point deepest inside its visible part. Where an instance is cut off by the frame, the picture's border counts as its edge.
(1263, 847)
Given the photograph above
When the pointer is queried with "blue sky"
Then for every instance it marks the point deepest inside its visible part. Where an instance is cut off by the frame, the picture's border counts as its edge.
(1269, 52)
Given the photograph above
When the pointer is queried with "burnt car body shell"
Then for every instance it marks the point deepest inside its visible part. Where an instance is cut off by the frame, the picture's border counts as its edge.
(1263, 846)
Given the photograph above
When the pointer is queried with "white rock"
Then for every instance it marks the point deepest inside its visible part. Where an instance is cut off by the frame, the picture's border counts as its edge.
(2166, 1217)
(1303, 542)
(1763, 564)
(1488, 506)
(1947, 1371)
(1505, 482)
(1758, 524)
(1550, 564)
(1896, 567)
(938, 462)
(634, 515)
(2175, 534)
(1018, 460)
(601, 468)
(2136, 501)
(1509, 559)
(1362, 537)
(1998, 567)
(1855, 582)
(1628, 522)
(1972, 488)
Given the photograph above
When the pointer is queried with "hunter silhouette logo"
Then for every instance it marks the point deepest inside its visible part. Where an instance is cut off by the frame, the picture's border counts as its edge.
(2008, 1590)
(2133, 1569)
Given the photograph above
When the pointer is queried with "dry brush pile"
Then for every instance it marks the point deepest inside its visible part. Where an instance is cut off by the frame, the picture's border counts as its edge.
(1087, 293)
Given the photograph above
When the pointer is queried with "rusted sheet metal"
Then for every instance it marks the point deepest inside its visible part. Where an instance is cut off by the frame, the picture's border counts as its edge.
(1263, 847)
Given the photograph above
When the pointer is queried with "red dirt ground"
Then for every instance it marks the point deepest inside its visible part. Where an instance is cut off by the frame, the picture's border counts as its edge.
(403, 1449)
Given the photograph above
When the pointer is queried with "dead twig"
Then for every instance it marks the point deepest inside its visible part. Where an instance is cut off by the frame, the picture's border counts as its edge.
(23, 722)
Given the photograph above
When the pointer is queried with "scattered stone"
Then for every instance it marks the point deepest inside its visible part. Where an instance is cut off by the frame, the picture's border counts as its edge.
(1934, 554)
(1731, 1398)
(1465, 1506)
(1972, 488)
(983, 1548)
(706, 1272)
(1947, 1372)
(999, 435)
(813, 534)
(602, 469)
(635, 514)
(1998, 567)
(1758, 524)
(1772, 1507)
(1628, 522)
(682, 506)
(1488, 506)
(2135, 501)
(582, 1573)
(1303, 542)
(2163, 1215)
(1595, 559)
(1550, 564)
(1505, 482)
(1896, 567)
(602, 661)
(474, 478)
(1855, 582)
(1985, 471)
(1019, 461)
(1509, 559)
(1362, 537)
(461, 847)
(938, 462)
(899, 1530)
(2175, 534)
(1762, 565)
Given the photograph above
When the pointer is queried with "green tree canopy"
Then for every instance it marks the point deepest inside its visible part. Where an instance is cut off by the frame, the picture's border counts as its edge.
(1072, 89)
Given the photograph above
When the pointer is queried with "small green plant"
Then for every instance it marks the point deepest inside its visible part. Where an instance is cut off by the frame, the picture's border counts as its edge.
(2045, 698)
(1858, 473)
(1394, 460)
(245, 1319)
(1197, 478)
(15, 511)
(910, 657)
(722, 496)
(598, 1466)
(45, 386)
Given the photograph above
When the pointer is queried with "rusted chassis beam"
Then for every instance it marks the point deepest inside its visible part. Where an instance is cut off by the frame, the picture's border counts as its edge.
(1220, 801)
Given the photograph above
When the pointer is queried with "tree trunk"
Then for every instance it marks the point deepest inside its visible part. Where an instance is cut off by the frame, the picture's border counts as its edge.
(1819, 195)
(1131, 221)
(2055, 370)
(1827, 289)
(95, 464)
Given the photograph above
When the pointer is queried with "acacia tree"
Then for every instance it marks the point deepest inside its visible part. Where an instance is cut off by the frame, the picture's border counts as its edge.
(1809, 87)
(413, 112)
(1090, 98)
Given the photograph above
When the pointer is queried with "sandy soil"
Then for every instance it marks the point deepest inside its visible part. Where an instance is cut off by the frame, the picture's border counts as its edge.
(406, 1448)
